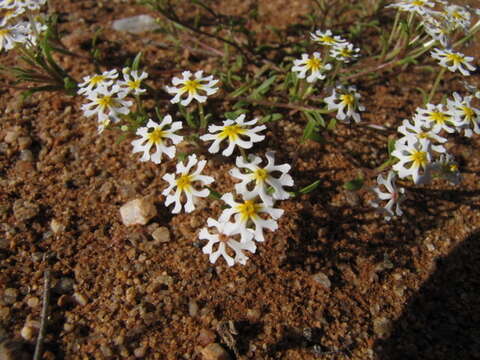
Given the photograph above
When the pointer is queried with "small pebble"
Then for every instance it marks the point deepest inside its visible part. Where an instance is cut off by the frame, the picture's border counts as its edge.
(193, 308)
(10, 296)
(138, 211)
(206, 337)
(322, 279)
(56, 226)
(214, 351)
(161, 235)
(33, 301)
(24, 210)
(80, 299)
(26, 155)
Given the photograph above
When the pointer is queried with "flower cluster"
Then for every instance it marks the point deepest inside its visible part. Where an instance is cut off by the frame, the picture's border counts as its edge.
(421, 151)
(314, 67)
(106, 95)
(15, 29)
(258, 189)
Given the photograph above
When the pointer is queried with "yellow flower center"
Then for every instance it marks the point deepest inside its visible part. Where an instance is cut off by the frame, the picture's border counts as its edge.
(248, 210)
(156, 136)
(438, 117)
(347, 99)
(419, 158)
(191, 86)
(106, 101)
(455, 58)
(314, 64)
(457, 15)
(260, 175)
(327, 39)
(423, 135)
(345, 52)
(418, 2)
(184, 182)
(453, 168)
(134, 84)
(469, 113)
(4, 32)
(97, 79)
(232, 132)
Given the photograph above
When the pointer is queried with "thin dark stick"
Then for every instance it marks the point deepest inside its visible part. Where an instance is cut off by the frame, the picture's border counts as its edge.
(44, 315)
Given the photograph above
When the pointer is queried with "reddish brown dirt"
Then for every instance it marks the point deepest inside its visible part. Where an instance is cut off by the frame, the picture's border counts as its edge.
(132, 297)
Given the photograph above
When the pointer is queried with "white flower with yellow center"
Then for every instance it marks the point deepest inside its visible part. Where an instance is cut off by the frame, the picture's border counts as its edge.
(392, 195)
(437, 30)
(92, 82)
(346, 102)
(326, 38)
(459, 16)
(158, 136)
(414, 159)
(248, 214)
(262, 178)
(107, 104)
(192, 87)
(420, 129)
(223, 238)
(186, 185)
(419, 7)
(447, 168)
(453, 61)
(465, 116)
(345, 52)
(10, 35)
(437, 117)
(238, 132)
(132, 81)
(313, 64)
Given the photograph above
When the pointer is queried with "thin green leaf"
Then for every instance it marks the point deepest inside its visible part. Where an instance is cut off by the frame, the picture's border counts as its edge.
(309, 188)
(136, 61)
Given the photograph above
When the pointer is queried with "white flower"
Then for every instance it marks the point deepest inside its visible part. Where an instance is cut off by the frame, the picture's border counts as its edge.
(392, 194)
(344, 52)
(107, 104)
(447, 168)
(247, 214)
(132, 81)
(192, 87)
(345, 99)
(156, 135)
(453, 60)
(35, 28)
(326, 38)
(437, 30)
(418, 155)
(420, 129)
(465, 116)
(236, 131)
(313, 64)
(10, 35)
(459, 16)
(262, 178)
(223, 239)
(93, 82)
(186, 183)
(33, 4)
(419, 7)
(437, 117)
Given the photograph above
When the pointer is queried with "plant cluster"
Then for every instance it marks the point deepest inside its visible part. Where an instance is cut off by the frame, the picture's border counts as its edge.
(315, 78)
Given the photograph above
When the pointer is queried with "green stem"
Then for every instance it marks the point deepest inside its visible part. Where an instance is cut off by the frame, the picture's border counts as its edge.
(201, 115)
(435, 84)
